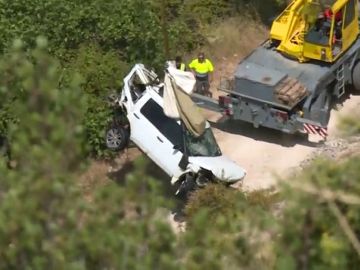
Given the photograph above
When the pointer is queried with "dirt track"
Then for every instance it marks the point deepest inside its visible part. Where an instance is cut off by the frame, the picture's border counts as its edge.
(267, 154)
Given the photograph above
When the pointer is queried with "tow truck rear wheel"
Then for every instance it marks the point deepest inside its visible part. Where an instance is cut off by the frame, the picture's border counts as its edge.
(356, 76)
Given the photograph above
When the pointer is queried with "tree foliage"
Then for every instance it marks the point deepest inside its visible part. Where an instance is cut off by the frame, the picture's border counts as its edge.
(100, 40)
(53, 111)
(313, 235)
(102, 73)
(45, 221)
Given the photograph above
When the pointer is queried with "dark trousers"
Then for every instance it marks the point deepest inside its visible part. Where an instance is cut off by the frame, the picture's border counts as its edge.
(202, 86)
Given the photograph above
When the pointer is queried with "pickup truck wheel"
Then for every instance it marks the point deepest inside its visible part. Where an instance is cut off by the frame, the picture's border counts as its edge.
(202, 181)
(356, 77)
(186, 186)
(117, 138)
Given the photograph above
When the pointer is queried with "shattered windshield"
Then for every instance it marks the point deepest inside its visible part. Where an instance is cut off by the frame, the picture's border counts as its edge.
(203, 146)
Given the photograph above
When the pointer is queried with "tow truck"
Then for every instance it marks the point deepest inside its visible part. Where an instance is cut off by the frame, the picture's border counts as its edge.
(292, 80)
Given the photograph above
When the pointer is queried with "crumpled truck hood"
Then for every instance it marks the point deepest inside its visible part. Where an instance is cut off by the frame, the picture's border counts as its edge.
(222, 167)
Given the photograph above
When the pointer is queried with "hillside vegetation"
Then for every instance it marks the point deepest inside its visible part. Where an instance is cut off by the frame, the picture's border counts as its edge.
(102, 40)
(59, 59)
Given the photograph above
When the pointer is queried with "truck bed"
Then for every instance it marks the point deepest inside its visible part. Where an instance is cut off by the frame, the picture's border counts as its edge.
(259, 75)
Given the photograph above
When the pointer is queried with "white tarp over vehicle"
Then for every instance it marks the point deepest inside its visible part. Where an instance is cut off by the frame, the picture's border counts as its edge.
(177, 102)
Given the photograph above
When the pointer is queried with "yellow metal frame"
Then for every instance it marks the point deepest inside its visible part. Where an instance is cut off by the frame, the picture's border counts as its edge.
(292, 25)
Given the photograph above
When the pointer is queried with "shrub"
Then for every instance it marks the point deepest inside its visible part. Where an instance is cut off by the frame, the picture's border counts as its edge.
(102, 73)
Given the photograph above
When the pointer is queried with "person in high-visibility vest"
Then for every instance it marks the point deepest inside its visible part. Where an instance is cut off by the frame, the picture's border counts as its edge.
(179, 63)
(202, 69)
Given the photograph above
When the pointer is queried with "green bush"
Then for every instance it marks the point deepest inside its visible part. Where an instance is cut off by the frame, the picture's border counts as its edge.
(133, 27)
(216, 199)
(350, 125)
(312, 235)
(128, 26)
(27, 74)
(226, 229)
(102, 74)
(45, 221)
(220, 200)
(101, 40)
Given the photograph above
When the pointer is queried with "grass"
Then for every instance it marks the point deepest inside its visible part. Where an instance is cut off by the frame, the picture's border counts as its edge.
(219, 200)
(233, 37)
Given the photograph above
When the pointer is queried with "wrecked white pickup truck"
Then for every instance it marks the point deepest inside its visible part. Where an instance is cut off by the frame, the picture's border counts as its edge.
(191, 160)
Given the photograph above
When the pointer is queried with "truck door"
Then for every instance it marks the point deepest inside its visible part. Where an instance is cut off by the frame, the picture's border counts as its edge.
(350, 29)
(156, 134)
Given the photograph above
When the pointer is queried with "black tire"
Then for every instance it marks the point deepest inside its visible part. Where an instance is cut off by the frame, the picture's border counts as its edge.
(185, 186)
(117, 138)
(356, 76)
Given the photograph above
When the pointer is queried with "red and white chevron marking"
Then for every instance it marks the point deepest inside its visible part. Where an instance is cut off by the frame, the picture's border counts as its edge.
(312, 129)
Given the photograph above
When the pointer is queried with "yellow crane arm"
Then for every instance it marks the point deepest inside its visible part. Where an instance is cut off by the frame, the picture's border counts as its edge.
(316, 29)
(283, 26)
